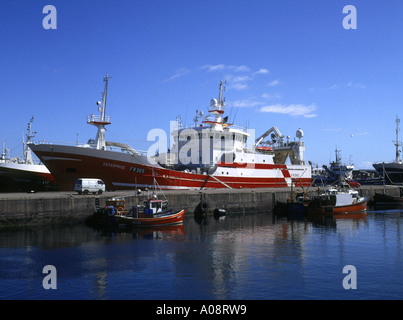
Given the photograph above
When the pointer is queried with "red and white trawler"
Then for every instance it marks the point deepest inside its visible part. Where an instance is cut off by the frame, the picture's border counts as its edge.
(213, 154)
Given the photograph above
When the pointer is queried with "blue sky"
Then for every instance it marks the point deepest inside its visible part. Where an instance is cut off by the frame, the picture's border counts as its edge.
(287, 63)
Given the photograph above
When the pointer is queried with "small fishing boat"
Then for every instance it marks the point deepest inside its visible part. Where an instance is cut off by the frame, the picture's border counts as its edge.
(152, 212)
(297, 202)
(337, 202)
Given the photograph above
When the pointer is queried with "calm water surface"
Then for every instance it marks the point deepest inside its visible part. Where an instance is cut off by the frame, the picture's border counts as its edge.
(245, 256)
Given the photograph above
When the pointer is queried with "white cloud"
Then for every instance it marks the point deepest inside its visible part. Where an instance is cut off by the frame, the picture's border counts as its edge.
(292, 110)
(333, 87)
(241, 68)
(221, 67)
(216, 67)
(238, 82)
(245, 103)
(237, 76)
(274, 95)
(356, 85)
(274, 83)
(179, 73)
(262, 71)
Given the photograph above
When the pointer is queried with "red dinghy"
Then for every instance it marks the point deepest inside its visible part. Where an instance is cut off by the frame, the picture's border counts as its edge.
(153, 212)
(164, 219)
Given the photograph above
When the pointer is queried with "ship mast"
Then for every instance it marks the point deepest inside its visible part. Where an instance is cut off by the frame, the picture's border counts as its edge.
(397, 143)
(101, 121)
(217, 109)
(27, 151)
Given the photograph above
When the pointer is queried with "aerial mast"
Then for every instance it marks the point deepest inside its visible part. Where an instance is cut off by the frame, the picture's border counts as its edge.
(101, 121)
(397, 143)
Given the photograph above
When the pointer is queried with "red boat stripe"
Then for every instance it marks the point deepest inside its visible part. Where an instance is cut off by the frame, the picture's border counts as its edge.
(251, 165)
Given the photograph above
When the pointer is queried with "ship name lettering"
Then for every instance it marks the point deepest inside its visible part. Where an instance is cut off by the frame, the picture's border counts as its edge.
(138, 170)
(114, 165)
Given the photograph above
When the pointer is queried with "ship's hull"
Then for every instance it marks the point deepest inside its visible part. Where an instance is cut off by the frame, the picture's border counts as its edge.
(126, 171)
(393, 171)
(16, 177)
(384, 199)
(338, 210)
(158, 220)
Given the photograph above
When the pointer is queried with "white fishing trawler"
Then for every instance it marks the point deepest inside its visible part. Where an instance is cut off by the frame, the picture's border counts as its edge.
(24, 174)
(213, 154)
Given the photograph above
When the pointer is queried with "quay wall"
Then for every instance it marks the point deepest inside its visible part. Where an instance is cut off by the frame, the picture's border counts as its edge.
(47, 208)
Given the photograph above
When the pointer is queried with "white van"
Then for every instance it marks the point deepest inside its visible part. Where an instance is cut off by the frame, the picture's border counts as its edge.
(87, 185)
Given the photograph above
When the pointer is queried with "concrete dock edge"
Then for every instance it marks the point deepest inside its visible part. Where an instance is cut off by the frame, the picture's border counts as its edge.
(48, 208)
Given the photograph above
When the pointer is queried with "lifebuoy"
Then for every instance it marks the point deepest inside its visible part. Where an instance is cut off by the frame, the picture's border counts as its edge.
(120, 210)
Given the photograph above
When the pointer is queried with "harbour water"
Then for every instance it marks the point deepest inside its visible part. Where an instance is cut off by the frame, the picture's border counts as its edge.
(255, 256)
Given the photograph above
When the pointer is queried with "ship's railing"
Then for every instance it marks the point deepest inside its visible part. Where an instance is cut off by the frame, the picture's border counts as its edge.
(54, 142)
(97, 118)
(215, 108)
(90, 145)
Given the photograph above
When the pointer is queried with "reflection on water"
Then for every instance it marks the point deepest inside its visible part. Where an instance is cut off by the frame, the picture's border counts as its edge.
(241, 256)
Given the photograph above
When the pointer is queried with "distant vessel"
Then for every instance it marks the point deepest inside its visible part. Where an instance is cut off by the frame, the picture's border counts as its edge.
(392, 171)
(335, 172)
(213, 154)
(24, 174)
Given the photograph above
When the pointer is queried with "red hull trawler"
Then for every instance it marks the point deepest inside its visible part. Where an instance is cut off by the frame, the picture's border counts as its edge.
(218, 157)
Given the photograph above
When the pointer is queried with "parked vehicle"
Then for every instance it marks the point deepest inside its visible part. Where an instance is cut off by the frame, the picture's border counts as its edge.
(352, 183)
(87, 185)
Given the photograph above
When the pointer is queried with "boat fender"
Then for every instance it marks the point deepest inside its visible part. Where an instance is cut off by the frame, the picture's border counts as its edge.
(200, 212)
(218, 213)
(204, 206)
